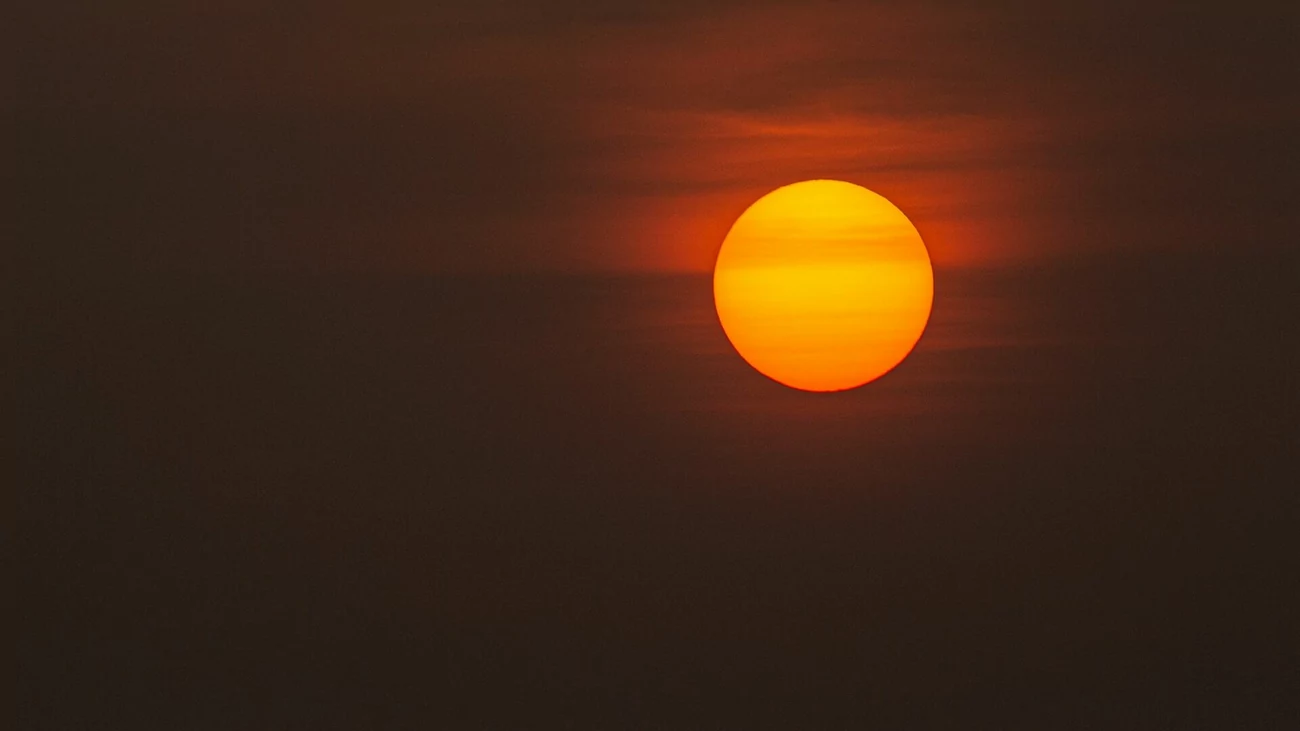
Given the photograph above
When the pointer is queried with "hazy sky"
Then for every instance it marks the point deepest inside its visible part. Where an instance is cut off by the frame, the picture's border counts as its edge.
(487, 136)
(355, 493)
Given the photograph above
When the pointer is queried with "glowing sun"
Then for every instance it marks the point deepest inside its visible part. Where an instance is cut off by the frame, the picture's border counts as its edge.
(823, 285)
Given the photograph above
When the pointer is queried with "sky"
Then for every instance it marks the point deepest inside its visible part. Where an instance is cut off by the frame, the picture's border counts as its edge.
(582, 136)
(367, 373)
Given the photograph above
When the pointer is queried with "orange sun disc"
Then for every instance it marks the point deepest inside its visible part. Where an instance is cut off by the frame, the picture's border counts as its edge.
(823, 285)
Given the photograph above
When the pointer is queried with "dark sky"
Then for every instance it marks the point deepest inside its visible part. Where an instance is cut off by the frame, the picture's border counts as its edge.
(367, 374)
(500, 135)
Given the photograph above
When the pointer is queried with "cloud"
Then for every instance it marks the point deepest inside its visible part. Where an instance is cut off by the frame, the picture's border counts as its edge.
(591, 135)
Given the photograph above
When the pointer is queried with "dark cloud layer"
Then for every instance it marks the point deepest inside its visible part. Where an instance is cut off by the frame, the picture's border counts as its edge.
(502, 136)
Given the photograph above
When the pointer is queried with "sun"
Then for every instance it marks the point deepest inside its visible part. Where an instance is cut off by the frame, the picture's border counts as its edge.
(823, 285)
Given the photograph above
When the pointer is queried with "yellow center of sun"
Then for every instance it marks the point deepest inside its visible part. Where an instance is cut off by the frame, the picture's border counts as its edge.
(823, 285)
